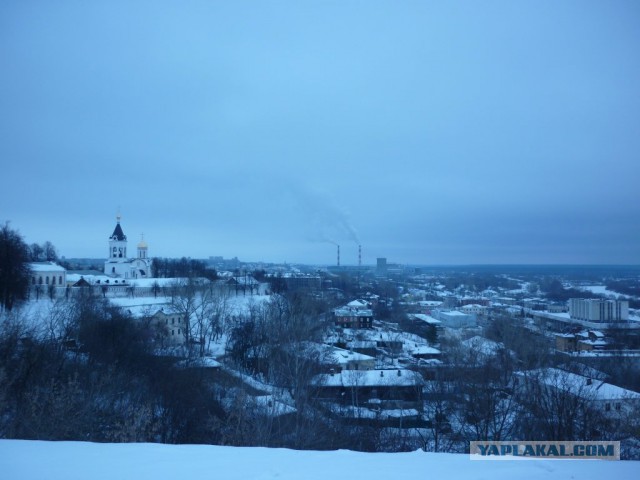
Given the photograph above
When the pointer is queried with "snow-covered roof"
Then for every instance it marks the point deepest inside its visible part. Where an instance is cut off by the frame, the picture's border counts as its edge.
(369, 378)
(482, 345)
(46, 267)
(336, 355)
(594, 343)
(358, 304)
(352, 312)
(203, 362)
(422, 350)
(565, 335)
(272, 407)
(429, 303)
(426, 318)
(453, 313)
(143, 306)
(579, 385)
(342, 356)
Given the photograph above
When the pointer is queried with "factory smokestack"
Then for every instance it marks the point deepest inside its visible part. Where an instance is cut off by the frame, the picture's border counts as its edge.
(338, 254)
(359, 256)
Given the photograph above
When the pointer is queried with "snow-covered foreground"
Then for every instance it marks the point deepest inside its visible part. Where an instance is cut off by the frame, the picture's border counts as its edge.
(76, 460)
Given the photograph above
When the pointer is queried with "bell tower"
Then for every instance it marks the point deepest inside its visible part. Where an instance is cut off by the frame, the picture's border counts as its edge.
(143, 249)
(117, 243)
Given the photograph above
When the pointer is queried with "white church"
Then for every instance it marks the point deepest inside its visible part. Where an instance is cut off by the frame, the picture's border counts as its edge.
(118, 264)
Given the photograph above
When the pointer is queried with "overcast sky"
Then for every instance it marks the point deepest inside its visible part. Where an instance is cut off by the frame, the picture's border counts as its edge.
(429, 132)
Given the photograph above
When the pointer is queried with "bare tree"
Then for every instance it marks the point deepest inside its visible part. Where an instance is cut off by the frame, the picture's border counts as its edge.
(441, 401)
(38, 288)
(558, 405)
(204, 308)
(183, 301)
(155, 288)
(50, 252)
(61, 324)
(51, 291)
(488, 408)
(218, 311)
(36, 252)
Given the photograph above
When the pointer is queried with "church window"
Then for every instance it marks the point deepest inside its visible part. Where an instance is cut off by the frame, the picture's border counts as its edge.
(60, 279)
(40, 280)
(53, 280)
(113, 269)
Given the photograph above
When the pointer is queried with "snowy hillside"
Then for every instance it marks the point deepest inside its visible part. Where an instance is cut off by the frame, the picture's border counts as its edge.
(32, 460)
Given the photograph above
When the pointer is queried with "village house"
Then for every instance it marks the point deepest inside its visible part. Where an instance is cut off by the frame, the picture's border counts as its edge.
(169, 327)
(47, 274)
(584, 341)
(355, 314)
(455, 319)
(334, 359)
(610, 399)
(389, 389)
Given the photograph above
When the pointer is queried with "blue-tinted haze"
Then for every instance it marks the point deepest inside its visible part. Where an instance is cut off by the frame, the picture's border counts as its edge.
(430, 132)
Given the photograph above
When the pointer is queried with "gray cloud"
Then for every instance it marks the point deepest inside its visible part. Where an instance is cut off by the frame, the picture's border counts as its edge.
(429, 133)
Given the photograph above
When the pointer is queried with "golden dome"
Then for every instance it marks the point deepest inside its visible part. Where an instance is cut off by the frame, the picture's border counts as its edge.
(142, 243)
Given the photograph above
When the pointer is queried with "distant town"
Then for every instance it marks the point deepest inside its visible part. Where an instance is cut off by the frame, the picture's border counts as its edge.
(382, 357)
